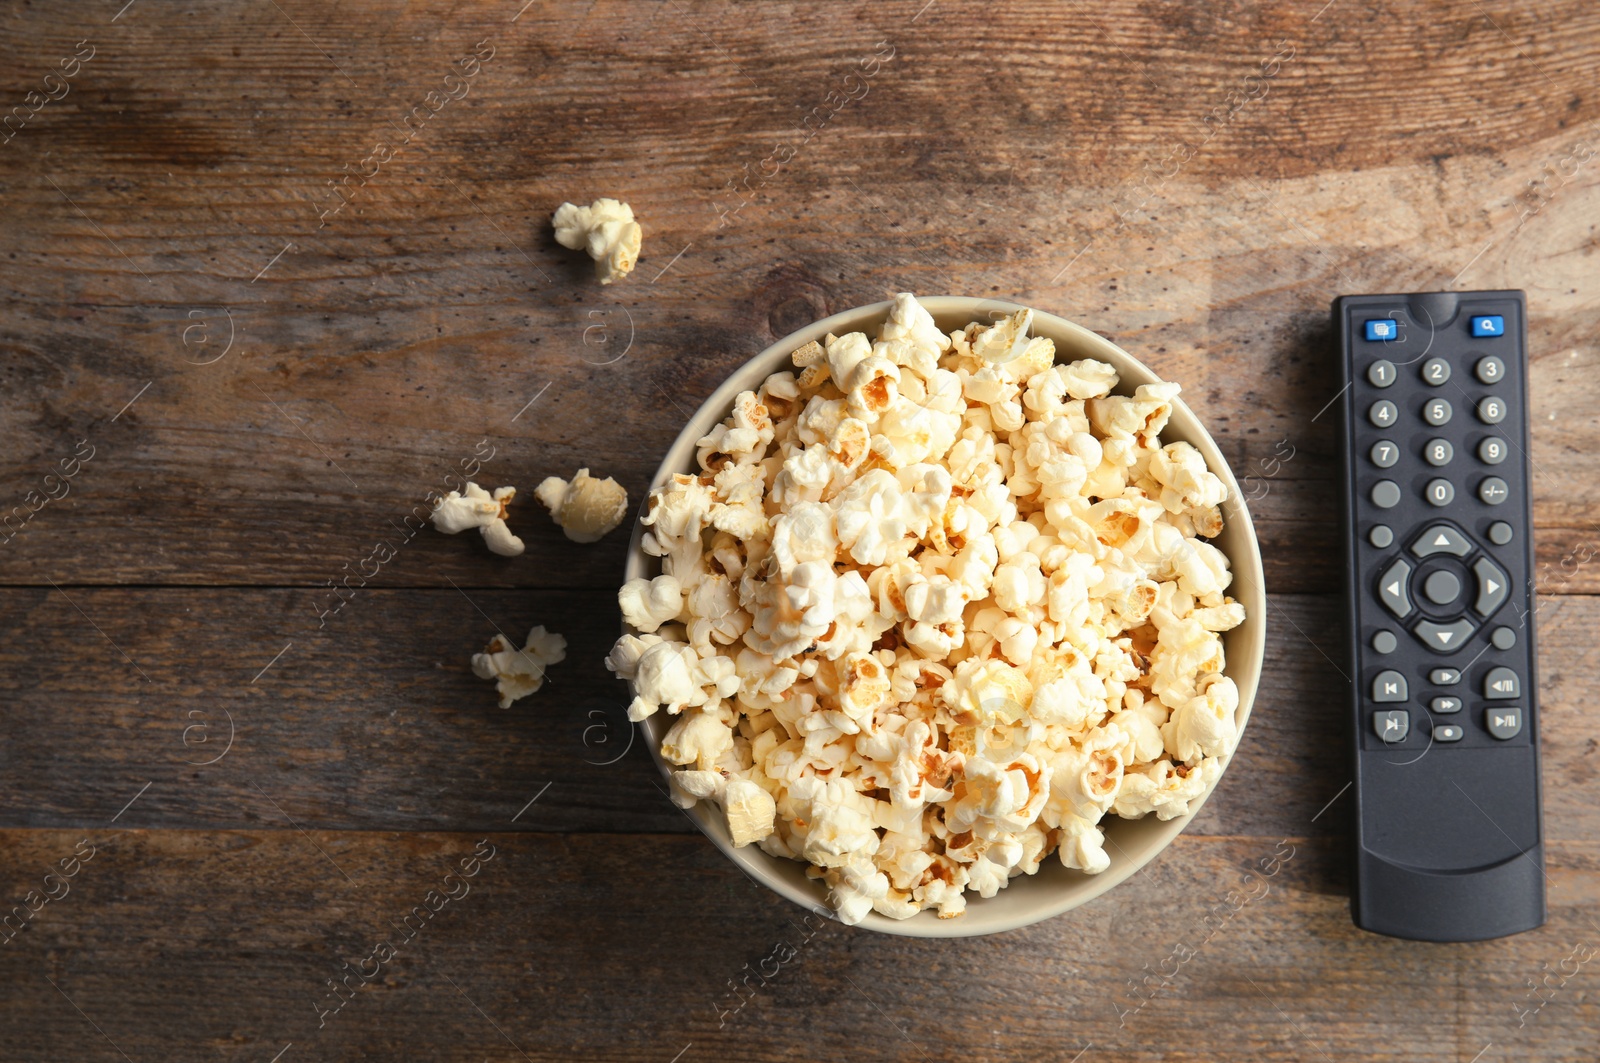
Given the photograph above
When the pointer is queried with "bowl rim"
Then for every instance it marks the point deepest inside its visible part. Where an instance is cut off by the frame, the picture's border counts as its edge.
(1247, 587)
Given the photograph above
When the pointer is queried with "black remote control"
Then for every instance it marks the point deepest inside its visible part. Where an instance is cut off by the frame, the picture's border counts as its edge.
(1438, 591)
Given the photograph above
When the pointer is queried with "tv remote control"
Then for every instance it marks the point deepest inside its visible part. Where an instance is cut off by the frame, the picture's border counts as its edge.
(1438, 590)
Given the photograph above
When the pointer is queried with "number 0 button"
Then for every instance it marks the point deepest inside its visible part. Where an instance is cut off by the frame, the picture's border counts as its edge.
(1383, 414)
(1437, 412)
(1441, 492)
(1492, 410)
(1384, 454)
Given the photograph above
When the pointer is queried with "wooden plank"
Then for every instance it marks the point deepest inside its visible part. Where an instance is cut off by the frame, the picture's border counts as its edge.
(197, 945)
(376, 722)
(372, 355)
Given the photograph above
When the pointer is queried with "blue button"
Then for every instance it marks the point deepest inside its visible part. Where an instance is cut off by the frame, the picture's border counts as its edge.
(1383, 328)
(1487, 325)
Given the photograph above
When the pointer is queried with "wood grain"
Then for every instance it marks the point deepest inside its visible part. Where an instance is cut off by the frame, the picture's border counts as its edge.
(185, 946)
(372, 356)
(268, 396)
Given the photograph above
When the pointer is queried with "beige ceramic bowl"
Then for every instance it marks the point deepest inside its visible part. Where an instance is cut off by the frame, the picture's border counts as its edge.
(1131, 843)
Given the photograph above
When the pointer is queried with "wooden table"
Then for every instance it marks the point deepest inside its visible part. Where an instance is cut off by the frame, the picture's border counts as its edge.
(267, 387)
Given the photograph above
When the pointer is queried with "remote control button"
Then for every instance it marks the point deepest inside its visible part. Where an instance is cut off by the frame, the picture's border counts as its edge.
(1438, 452)
(1488, 325)
(1442, 588)
(1447, 732)
(1503, 638)
(1381, 536)
(1441, 492)
(1492, 451)
(1386, 494)
(1492, 490)
(1445, 705)
(1447, 638)
(1441, 539)
(1383, 414)
(1389, 686)
(1392, 588)
(1384, 642)
(1436, 371)
(1490, 369)
(1384, 454)
(1500, 533)
(1503, 723)
(1492, 410)
(1501, 684)
(1382, 329)
(1391, 725)
(1437, 412)
(1381, 373)
(1444, 677)
(1492, 587)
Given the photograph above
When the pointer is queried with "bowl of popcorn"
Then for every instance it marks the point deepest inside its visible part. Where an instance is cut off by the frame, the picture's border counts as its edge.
(943, 615)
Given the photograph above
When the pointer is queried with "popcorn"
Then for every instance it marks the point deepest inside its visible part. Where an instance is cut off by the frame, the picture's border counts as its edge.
(606, 229)
(933, 608)
(519, 673)
(586, 508)
(477, 508)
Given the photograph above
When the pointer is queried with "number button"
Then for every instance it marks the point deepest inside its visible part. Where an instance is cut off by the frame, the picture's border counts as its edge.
(1438, 452)
(1437, 412)
(1381, 373)
(1492, 491)
(1441, 492)
(1436, 371)
(1384, 454)
(1492, 410)
(1490, 369)
(1383, 414)
(1492, 451)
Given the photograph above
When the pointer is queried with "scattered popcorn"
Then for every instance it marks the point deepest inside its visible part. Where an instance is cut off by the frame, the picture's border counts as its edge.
(477, 508)
(606, 229)
(935, 606)
(519, 672)
(586, 508)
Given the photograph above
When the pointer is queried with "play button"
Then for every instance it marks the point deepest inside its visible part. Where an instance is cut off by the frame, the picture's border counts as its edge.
(1501, 684)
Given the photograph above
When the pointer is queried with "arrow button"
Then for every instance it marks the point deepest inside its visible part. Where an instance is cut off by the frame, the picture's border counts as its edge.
(1501, 684)
(1492, 586)
(1446, 638)
(1441, 539)
(1392, 588)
